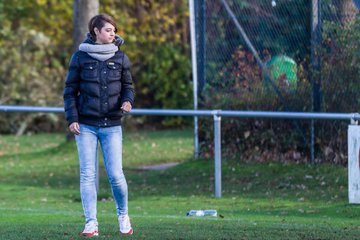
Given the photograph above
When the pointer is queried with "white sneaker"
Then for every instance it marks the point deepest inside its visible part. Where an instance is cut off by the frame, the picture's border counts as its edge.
(91, 229)
(125, 226)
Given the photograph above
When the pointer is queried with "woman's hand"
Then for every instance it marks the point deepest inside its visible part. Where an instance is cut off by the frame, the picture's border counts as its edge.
(126, 107)
(75, 128)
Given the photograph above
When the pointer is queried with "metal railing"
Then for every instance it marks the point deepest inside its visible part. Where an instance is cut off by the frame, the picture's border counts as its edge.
(185, 112)
(216, 114)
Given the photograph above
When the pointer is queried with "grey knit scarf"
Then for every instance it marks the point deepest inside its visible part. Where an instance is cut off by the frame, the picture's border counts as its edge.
(101, 52)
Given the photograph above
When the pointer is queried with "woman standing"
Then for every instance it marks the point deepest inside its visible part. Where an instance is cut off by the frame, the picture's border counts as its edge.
(98, 90)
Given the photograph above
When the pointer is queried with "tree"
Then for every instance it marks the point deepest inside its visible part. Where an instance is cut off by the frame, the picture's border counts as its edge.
(84, 10)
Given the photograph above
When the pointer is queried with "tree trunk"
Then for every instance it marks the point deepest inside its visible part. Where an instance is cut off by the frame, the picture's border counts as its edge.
(346, 10)
(84, 10)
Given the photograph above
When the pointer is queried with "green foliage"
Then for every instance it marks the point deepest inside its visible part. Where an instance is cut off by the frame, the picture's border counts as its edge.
(156, 40)
(166, 81)
(51, 17)
(35, 41)
(240, 85)
(36, 45)
(340, 66)
(30, 74)
(235, 81)
(163, 78)
(340, 85)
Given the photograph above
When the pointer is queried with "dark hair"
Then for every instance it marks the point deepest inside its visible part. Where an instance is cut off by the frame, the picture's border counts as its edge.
(98, 21)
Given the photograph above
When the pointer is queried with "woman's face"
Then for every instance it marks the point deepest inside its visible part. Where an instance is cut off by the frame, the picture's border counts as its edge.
(106, 34)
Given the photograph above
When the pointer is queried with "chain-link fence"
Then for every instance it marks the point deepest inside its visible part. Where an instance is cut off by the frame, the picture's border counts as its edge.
(280, 55)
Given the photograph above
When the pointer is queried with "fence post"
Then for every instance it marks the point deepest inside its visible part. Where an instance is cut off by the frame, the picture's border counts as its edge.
(217, 153)
(316, 41)
(194, 74)
(354, 162)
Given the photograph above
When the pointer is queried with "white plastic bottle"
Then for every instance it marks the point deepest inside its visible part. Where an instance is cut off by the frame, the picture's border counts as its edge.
(202, 213)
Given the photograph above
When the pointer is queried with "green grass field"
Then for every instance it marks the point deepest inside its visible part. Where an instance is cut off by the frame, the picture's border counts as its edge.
(39, 194)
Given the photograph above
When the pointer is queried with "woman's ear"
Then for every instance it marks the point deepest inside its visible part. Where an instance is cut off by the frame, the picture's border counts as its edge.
(96, 30)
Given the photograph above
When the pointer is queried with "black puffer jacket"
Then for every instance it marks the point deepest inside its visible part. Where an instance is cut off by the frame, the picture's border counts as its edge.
(95, 90)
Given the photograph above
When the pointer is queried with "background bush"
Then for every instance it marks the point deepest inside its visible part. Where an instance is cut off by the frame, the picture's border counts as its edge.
(36, 46)
(239, 85)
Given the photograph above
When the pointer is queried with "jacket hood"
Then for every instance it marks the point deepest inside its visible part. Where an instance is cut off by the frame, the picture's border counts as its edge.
(118, 40)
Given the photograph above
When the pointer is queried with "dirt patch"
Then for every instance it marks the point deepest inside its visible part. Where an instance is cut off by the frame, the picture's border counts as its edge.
(158, 167)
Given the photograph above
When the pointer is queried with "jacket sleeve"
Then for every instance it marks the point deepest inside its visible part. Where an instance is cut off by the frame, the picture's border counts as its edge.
(71, 90)
(127, 88)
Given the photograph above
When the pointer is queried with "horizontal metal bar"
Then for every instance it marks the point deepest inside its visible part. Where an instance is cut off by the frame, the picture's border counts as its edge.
(9, 108)
(290, 115)
(185, 112)
(172, 112)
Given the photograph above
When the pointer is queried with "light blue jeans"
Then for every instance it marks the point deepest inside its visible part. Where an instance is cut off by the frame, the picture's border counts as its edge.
(110, 139)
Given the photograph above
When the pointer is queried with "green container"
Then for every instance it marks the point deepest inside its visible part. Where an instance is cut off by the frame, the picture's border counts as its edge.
(283, 71)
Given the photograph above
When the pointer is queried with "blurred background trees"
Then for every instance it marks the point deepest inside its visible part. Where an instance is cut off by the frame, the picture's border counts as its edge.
(36, 43)
(282, 29)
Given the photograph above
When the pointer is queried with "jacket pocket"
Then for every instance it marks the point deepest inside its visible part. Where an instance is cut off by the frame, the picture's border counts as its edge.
(89, 71)
(114, 69)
